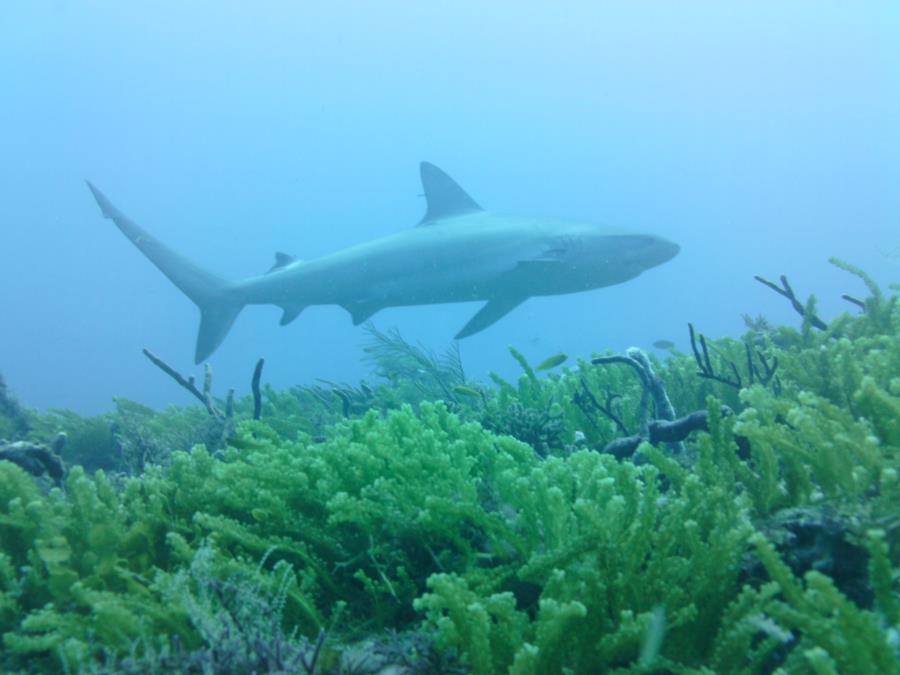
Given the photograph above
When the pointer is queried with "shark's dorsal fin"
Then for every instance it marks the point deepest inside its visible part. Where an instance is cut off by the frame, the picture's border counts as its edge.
(444, 197)
(281, 260)
(493, 311)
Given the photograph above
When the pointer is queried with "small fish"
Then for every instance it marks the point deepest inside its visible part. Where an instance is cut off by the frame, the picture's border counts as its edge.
(552, 362)
(463, 390)
(667, 345)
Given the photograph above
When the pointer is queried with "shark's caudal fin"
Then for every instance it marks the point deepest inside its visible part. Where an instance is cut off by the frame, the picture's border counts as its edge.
(218, 308)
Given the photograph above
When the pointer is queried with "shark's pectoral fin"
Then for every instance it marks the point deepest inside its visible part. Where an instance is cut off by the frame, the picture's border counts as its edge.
(493, 311)
(361, 311)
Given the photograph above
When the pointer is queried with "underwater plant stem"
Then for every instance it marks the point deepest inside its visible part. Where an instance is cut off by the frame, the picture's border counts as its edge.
(187, 382)
(664, 408)
(36, 459)
(856, 301)
(663, 431)
(704, 364)
(589, 404)
(254, 386)
(651, 386)
(786, 291)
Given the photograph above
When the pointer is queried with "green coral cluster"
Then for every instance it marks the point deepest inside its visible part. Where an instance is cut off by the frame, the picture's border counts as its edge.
(489, 525)
(13, 419)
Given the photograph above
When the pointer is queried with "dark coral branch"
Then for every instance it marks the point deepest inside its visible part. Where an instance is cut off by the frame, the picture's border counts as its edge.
(205, 395)
(752, 371)
(310, 665)
(254, 386)
(643, 413)
(786, 291)
(589, 405)
(188, 383)
(651, 386)
(229, 404)
(627, 360)
(623, 448)
(36, 459)
(586, 402)
(763, 374)
(607, 409)
(704, 364)
(345, 401)
(655, 385)
(767, 374)
(856, 301)
(354, 400)
(669, 431)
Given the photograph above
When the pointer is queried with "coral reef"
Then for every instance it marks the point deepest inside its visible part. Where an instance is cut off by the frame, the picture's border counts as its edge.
(424, 523)
(38, 460)
(14, 422)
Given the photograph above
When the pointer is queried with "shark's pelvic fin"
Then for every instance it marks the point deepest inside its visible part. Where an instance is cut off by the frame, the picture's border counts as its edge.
(443, 195)
(361, 311)
(291, 312)
(212, 294)
(493, 311)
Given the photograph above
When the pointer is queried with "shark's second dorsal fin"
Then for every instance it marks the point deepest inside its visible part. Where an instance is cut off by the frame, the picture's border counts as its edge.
(443, 195)
(281, 260)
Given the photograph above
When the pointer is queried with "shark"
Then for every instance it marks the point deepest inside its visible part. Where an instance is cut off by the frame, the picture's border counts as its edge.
(458, 252)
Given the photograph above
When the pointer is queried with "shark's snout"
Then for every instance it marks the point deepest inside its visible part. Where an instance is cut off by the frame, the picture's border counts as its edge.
(649, 251)
(666, 250)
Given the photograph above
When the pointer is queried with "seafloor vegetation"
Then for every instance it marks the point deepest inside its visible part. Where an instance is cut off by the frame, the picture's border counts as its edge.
(426, 523)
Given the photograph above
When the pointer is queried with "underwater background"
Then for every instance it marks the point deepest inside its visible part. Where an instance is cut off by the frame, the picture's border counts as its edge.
(761, 138)
(695, 471)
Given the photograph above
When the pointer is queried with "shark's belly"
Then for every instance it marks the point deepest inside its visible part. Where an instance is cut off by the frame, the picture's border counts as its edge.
(422, 281)
(411, 274)
(427, 266)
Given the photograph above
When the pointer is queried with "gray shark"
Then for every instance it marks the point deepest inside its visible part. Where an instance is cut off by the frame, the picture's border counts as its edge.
(457, 253)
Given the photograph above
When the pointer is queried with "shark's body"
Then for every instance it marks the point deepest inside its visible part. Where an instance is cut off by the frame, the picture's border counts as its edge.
(458, 253)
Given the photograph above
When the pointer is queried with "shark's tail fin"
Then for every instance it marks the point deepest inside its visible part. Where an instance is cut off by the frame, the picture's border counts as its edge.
(218, 305)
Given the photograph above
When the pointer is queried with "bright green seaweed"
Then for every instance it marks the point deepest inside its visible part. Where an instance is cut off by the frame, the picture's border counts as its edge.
(490, 524)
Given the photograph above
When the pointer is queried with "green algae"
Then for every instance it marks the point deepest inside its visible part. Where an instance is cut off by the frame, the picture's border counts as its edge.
(488, 522)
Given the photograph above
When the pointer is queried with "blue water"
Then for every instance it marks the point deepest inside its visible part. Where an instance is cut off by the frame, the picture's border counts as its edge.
(762, 137)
